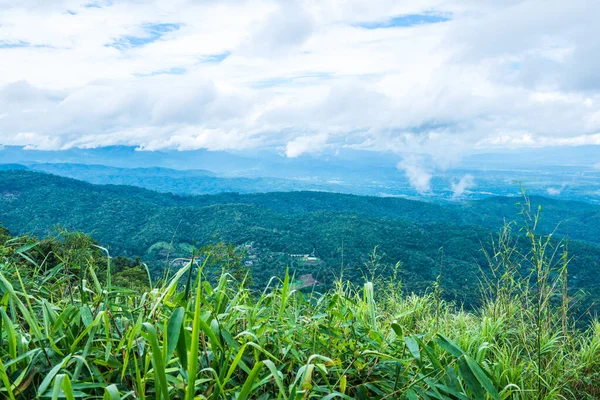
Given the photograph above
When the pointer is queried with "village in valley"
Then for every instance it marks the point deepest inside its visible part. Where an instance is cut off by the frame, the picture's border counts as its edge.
(303, 267)
(301, 264)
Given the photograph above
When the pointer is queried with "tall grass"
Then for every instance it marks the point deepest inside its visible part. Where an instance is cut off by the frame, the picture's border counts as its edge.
(68, 333)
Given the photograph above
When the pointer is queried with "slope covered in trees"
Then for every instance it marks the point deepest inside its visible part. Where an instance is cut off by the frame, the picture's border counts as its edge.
(342, 230)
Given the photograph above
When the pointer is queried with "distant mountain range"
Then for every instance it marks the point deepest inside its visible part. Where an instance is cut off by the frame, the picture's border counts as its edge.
(182, 182)
(567, 173)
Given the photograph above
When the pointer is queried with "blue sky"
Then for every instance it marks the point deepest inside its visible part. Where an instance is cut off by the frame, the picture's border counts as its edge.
(436, 77)
(405, 21)
(151, 32)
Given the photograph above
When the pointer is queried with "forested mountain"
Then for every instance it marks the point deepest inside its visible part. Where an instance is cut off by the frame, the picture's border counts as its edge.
(166, 180)
(336, 229)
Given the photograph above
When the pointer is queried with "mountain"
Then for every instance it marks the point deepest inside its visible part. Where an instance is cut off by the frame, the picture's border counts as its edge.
(131, 157)
(10, 167)
(184, 182)
(95, 171)
(272, 162)
(336, 228)
(562, 173)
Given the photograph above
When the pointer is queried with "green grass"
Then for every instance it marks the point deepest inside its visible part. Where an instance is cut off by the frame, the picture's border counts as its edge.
(66, 332)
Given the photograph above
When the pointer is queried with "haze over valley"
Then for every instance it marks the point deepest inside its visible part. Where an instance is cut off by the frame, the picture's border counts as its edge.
(557, 172)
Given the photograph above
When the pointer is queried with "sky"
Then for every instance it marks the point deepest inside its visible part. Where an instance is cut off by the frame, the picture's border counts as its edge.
(429, 77)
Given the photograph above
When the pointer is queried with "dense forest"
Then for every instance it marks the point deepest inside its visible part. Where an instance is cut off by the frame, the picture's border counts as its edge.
(186, 182)
(429, 242)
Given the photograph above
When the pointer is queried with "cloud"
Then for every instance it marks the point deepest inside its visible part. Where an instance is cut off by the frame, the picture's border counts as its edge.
(554, 191)
(430, 77)
(281, 31)
(465, 183)
(305, 144)
(418, 176)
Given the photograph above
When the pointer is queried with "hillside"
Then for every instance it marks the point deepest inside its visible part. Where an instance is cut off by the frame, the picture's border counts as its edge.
(166, 180)
(421, 236)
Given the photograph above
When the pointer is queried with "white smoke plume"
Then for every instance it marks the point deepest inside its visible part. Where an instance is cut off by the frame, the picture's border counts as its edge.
(418, 175)
(556, 191)
(466, 182)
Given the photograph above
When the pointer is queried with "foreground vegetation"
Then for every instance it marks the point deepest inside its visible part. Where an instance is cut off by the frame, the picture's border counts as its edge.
(76, 324)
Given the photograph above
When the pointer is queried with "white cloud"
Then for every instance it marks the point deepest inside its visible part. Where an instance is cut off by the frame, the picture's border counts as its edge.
(556, 191)
(465, 183)
(305, 144)
(300, 75)
(281, 31)
(418, 175)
